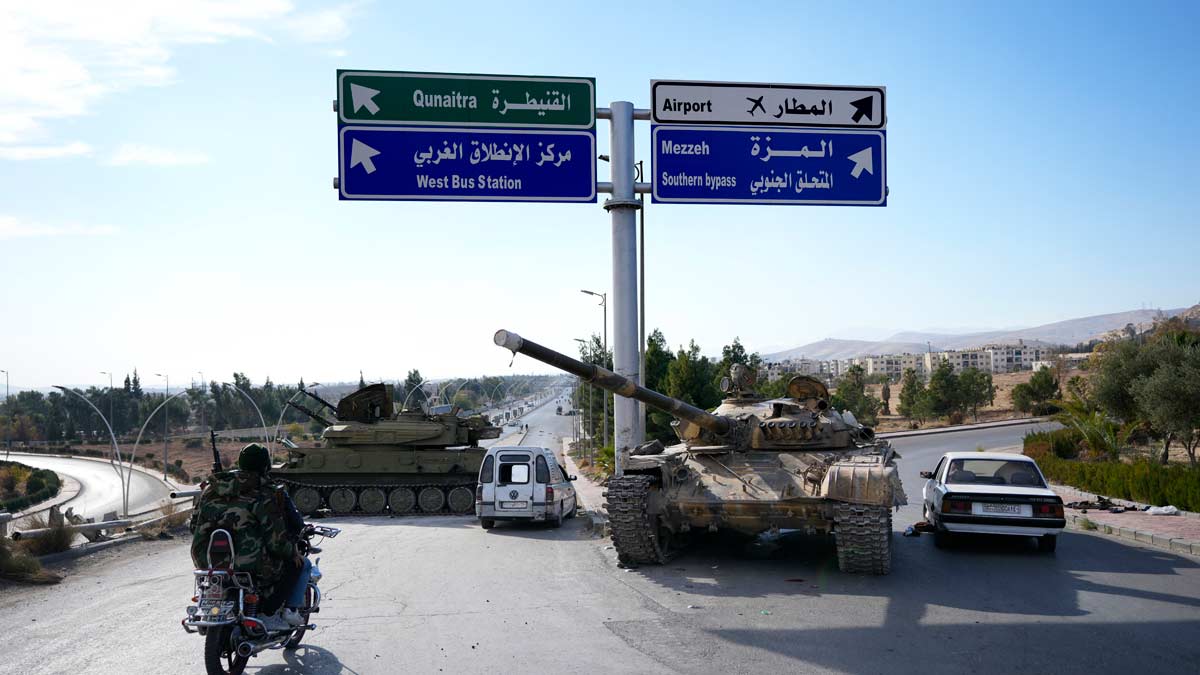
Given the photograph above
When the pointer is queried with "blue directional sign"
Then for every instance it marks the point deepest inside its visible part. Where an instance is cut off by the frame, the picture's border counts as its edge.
(769, 165)
(456, 164)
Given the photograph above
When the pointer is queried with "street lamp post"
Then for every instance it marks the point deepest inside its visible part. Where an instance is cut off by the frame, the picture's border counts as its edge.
(604, 306)
(111, 419)
(639, 434)
(7, 412)
(589, 417)
(166, 414)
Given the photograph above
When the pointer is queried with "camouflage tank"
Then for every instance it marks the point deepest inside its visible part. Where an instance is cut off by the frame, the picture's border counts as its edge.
(753, 466)
(373, 460)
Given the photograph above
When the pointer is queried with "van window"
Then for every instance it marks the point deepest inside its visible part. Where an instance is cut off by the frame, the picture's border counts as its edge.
(489, 467)
(514, 473)
(541, 471)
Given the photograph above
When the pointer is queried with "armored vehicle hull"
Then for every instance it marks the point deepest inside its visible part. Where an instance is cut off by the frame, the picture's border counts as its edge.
(751, 466)
(373, 461)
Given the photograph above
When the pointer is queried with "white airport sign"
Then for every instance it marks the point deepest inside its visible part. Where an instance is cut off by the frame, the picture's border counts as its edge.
(777, 105)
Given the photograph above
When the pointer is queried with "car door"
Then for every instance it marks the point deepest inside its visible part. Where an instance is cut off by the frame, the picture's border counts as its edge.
(514, 483)
(933, 490)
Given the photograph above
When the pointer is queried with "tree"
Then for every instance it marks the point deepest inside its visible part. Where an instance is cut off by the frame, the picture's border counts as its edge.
(735, 353)
(658, 359)
(1169, 398)
(912, 391)
(1036, 395)
(885, 395)
(852, 395)
(361, 382)
(942, 393)
(690, 378)
(975, 389)
(412, 388)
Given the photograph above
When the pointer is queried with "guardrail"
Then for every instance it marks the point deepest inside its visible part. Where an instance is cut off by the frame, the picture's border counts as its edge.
(85, 527)
(4, 520)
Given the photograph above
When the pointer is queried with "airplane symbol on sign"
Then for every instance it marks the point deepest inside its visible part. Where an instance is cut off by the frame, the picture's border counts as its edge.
(758, 104)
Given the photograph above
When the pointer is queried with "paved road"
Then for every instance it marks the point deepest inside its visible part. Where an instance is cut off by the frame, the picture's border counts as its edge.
(441, 595)
(100, 488)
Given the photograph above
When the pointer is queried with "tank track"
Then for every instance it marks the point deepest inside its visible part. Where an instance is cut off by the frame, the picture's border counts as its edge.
(325, 488)
(634, 532)
(863, 536)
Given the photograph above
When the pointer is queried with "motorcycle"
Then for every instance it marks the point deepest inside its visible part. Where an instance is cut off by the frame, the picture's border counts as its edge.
(225, 609)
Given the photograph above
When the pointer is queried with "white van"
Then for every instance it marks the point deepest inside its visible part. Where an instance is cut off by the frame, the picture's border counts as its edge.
(523, 483)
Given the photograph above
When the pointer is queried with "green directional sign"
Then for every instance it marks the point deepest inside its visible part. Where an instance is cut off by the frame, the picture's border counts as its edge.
(384, 97)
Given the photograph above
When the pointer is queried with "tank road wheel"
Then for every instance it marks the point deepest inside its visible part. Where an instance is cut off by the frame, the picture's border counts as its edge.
(863, 537)
(639, 537)
(462, 500)
(341, 500)
(402, 500)
(432, 500)
(307, 499)
(372, 500)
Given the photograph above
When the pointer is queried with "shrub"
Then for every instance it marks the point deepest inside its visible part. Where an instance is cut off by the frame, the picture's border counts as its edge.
(955, 417)
(56, 540)
(17, 565)
(1141, 481)
(34, 484)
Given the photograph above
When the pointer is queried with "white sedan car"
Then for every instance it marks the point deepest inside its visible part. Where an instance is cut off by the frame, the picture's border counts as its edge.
(991, 493)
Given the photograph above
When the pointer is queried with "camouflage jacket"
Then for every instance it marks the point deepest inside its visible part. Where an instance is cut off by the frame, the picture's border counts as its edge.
(254, 512)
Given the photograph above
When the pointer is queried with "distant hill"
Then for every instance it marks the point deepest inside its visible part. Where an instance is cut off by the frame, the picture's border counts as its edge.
(1069, 332)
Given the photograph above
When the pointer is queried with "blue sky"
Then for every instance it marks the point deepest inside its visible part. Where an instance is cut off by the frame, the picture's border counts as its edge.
(166, 199)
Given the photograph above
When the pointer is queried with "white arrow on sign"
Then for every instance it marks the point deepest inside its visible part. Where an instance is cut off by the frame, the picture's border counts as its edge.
(363, 97)
(361, 153)
(863, 159)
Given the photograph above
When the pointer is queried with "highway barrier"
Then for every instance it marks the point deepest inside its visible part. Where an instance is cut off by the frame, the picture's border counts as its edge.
(109, 525)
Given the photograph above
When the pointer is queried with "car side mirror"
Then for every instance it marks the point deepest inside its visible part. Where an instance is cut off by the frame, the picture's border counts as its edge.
(926, 474)
(572, 478)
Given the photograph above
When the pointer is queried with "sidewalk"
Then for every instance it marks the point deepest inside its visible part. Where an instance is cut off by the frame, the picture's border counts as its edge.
(1179, 534)
(589, 493)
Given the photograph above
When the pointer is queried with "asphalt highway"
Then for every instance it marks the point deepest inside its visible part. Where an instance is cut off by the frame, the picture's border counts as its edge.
(441, 595)
(100, 488)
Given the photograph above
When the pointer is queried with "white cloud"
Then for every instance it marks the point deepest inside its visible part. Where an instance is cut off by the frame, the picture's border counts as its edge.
(11, 228)
(147, 154)
(323, 25)
(59, 58)
(19, 152)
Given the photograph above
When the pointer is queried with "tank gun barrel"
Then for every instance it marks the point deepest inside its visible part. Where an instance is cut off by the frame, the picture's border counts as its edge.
(610, 381)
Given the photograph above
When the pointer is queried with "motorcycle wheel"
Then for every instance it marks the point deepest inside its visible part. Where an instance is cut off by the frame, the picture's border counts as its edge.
(298, 634)
(220, 658)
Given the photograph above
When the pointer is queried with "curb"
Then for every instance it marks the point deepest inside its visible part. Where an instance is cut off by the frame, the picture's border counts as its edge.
(1178, 545)
(964, 427)
(87, 549)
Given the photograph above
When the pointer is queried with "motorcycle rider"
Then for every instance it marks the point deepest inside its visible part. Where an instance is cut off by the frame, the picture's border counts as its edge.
(265, 525)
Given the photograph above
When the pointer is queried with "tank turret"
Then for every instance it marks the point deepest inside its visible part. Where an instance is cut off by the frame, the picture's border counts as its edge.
(750, 466)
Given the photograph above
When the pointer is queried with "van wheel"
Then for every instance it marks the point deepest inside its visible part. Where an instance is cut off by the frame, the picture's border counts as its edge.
(558, 518)
(487, 523)
(574, 510)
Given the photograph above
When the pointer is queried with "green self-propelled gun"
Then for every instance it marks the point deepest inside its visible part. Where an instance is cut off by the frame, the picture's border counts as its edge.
(377, 460)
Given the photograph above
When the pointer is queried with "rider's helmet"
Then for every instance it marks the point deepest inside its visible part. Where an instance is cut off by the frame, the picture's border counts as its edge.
(254, 457)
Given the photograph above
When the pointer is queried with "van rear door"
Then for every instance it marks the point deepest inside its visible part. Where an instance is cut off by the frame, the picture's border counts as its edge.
(514, 484)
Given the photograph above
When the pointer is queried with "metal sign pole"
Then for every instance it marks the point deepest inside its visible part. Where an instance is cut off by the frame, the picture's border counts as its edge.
(622, 207)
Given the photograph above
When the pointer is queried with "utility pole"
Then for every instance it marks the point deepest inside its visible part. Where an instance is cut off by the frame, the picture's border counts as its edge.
(204, 393)
(621, 206)
(166, 414)
(640, 433)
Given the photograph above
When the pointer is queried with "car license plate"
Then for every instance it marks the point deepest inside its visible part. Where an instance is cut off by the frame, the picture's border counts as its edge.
(1005, 509)
(514, 505)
